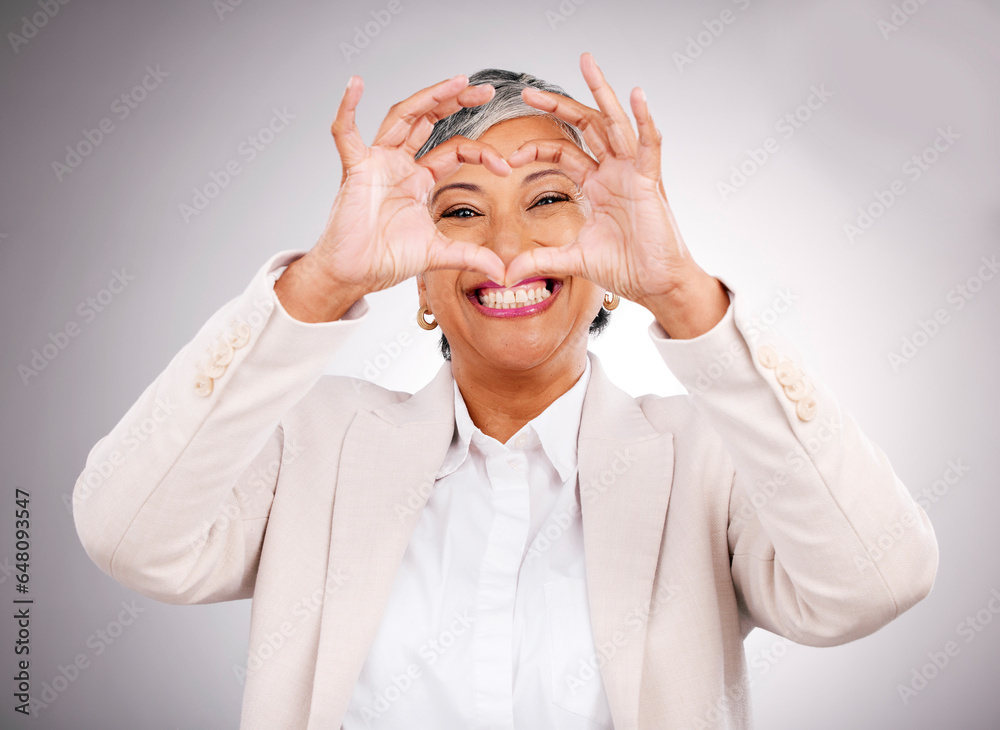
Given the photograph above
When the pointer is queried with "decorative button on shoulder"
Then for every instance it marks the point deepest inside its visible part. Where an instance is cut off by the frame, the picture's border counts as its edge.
(220, 356)
(792, 382)
(796, 390)
(239, 335)
(767, 356)
(806, 408)
(786, 372)
(203, 385)
(214, 370)
(222, 353)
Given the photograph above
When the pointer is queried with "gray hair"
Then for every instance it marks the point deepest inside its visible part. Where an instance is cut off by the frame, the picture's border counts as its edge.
(472, 122)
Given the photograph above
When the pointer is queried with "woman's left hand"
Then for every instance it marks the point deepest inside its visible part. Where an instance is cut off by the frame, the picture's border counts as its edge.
(630, 243)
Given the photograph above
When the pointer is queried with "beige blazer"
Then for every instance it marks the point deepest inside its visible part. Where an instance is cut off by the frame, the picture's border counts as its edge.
(753, 501)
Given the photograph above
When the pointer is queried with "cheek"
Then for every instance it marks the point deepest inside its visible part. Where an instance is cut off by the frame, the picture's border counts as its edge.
(588, 298)
(592, 294)
(557, 229)
(440, 287)
(472, 230)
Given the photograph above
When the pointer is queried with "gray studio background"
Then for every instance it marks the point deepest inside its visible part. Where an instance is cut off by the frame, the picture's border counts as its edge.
(889, 89)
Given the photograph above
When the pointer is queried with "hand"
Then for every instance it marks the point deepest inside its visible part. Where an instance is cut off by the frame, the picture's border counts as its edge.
(630, 243)
(380, 232)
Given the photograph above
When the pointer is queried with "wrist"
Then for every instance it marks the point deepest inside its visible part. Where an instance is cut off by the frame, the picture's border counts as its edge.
(309, 295)
(691, 308)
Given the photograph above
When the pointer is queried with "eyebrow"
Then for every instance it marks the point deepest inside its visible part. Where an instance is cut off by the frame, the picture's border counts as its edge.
(476, 189)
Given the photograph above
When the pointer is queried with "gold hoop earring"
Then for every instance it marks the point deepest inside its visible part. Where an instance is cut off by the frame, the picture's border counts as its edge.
(612, 303)
(422, 321)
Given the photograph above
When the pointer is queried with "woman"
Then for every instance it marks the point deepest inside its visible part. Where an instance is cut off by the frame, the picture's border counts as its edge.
(519, 543)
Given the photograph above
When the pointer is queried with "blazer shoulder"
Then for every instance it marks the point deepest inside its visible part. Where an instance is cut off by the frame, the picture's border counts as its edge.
(679, 416)
(676, 414)
(365, 392)
(343, 396)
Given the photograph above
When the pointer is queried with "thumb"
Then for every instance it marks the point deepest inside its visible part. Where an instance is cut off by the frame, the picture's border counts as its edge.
(547, 261)
(346, 135)
(447, 253)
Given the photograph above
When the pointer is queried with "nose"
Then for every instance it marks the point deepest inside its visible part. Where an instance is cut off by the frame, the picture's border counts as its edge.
(508, 237)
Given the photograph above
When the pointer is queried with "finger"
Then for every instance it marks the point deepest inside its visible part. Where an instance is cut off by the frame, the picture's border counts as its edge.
(448, 156)
(468, 97)
(345, 132)
(404, 114)
(392, 128)
(438, 100)
(620, 131)
(547, 261)
(571, 159)
(587, 120)
(447, 253)
(650, 138)
(419, 133)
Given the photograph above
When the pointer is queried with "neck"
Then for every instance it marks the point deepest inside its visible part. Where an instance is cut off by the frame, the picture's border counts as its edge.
(501, 401)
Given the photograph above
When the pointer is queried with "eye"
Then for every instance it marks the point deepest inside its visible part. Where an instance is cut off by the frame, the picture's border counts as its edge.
(461, 211)
(454, 213)
(556, 197)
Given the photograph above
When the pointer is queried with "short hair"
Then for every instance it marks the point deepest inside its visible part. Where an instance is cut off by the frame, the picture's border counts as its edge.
(472, 122)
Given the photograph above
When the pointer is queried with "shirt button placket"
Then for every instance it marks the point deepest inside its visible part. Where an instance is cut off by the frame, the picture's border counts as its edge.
(493, 638)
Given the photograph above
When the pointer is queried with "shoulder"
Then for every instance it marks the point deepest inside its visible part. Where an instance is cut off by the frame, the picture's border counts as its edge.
(670, 412)
(338, 398)
(693, 435)
(357, 391)
(676, 414)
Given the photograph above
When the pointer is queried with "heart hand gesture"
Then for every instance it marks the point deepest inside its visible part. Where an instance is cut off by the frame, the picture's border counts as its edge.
(630, 243)
(379, 232)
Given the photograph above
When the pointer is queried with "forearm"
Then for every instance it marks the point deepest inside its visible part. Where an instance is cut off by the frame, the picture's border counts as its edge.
(309, 295)
(171, 469)
(812, 497)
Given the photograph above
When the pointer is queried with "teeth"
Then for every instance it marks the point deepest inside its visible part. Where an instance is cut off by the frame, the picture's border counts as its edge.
(514, 298)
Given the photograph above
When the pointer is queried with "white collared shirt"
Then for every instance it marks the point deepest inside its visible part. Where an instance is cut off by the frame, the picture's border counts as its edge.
(487, 624)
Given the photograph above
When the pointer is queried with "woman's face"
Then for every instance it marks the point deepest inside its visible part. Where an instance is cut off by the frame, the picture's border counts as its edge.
(536, 205)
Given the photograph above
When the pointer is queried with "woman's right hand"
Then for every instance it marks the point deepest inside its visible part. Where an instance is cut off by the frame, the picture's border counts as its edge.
(380, 231)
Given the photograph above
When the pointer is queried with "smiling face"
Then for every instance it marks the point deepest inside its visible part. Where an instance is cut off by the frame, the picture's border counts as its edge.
(539, 321)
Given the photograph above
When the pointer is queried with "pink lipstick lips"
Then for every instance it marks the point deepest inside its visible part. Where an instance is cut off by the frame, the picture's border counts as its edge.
(527, 297)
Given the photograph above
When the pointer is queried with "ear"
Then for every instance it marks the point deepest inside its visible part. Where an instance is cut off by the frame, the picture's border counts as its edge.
(421, 290)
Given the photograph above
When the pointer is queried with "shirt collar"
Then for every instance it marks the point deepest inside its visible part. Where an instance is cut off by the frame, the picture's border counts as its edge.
(557, 429)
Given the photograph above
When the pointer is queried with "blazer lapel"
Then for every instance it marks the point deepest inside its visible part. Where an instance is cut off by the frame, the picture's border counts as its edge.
(388, 466)
(625, 468)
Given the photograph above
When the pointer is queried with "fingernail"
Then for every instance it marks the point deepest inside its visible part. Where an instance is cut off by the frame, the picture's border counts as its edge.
(350, 81)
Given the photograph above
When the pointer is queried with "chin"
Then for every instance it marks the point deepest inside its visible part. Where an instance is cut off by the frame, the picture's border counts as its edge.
(519, 352)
